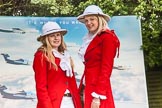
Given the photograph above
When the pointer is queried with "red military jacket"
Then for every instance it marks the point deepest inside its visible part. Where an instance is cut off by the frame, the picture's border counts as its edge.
(51, 84)
(99, 59)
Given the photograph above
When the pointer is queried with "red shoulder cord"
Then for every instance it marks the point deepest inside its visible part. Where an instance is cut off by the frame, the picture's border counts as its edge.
(117, 42)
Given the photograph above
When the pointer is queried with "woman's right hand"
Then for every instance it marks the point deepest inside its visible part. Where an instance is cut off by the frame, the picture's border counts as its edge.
(95, 103)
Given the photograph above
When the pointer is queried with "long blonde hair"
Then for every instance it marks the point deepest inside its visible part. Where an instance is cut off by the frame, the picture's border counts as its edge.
(103, 25)
(46, 48)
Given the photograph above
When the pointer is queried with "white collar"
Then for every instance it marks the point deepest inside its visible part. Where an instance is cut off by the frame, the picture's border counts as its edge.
(65, 63)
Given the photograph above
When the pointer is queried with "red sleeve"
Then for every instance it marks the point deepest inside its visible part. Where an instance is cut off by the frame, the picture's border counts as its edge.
(40, 69)
(108, 53)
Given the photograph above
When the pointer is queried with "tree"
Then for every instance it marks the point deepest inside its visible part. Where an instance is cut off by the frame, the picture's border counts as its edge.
(53, 7)
(14, 7)
(151, 17)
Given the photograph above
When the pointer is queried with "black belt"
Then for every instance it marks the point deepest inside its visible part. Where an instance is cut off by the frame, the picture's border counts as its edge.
(67, 95)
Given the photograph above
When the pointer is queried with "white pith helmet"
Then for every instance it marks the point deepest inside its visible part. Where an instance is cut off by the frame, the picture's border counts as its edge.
(92, 10)
(51, 27)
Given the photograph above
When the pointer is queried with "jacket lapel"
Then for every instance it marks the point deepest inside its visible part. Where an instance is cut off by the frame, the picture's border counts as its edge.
(95, 42)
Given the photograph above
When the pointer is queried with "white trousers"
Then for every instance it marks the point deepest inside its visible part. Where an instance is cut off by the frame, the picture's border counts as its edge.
(67, 102)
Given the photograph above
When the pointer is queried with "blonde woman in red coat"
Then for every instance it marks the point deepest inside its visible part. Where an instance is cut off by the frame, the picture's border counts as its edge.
(55, 81)
(97, 52)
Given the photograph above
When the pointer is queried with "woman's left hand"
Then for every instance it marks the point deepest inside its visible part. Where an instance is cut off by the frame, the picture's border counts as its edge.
(95, 103)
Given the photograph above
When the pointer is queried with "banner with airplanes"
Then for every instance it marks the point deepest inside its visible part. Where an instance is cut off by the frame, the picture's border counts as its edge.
(18, 43)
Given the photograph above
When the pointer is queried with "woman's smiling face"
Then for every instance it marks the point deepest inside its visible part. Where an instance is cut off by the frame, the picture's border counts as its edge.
(55, 39)
(91, 22)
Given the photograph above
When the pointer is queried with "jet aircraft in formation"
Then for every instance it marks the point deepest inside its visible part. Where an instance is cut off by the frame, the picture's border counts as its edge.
(16, 62)
(13, 30)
